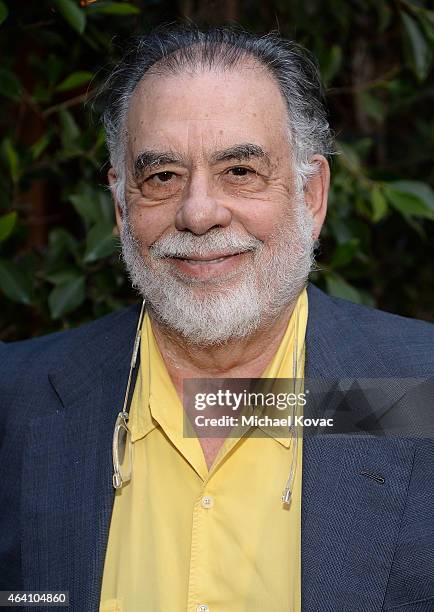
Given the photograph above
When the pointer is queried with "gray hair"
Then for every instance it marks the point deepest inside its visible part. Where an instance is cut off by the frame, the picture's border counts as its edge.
(172, 49)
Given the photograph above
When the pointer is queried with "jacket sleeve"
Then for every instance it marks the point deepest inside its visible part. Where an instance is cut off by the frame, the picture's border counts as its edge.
(11, 451)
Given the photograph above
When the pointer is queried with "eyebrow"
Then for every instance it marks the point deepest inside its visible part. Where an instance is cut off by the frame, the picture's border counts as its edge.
(241, 152)
(153, 159)
(149, 158)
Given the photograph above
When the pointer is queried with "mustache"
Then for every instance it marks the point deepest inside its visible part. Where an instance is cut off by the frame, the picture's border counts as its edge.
(186, 244)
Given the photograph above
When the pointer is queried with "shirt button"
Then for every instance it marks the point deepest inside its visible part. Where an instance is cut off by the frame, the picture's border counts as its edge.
(202, 608)
(207, 502)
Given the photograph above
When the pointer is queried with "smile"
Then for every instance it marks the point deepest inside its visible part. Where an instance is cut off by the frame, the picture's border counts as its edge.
(208, 260)
(208, 267)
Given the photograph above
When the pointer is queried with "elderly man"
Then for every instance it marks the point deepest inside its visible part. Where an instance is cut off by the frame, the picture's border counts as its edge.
(218, 144)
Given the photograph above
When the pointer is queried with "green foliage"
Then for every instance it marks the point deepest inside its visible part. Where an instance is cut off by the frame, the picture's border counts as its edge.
(114, 8)
(59, 251)
(7, 224)
(80, 77)
(419, 50)
(3, 12)
(72, 14)
(67, 296)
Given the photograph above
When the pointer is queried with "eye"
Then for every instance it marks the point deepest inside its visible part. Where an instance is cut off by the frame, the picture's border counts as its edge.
(161, 177)
(239, 171)
(163, 185)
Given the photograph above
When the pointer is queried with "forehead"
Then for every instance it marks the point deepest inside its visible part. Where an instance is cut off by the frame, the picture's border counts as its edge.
(199, 112)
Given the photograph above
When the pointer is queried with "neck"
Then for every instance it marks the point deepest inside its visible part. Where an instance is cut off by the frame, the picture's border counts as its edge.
(242, 358)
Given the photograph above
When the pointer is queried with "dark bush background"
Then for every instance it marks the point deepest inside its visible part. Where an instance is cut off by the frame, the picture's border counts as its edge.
(59, 254)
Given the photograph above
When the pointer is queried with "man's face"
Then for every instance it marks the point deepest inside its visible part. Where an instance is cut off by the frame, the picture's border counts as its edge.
(216, 236)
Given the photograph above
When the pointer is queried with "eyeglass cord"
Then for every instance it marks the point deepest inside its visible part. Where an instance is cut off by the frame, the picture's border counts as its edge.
(135, 361)
(288, 490)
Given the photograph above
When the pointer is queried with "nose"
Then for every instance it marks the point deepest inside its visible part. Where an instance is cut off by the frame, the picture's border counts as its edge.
(200, 210)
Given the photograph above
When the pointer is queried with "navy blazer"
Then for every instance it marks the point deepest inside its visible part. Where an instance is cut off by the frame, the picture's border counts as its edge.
(367, 545)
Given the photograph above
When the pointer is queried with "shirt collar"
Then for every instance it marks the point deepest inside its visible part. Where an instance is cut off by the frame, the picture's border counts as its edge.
(148, 410)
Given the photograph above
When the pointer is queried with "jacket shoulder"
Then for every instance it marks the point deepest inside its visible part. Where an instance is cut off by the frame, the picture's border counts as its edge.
(406, 345)
(46, 351)
(371, 318)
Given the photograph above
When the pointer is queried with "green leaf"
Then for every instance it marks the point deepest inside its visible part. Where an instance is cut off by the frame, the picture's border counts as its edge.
(62, 243)
(40, 145)
(104, 208)
(426, 20)
(331, 64)
(76, 79)
(14, 283)
(54, 65)
(408, 204)
(421, 190)
(373, 106)
(9, 85)
(349, 157)
(11, 158)
(340, 229)
(40, 94)
(7, 224)
(379, 205)
(3, 12)
(366, 299)
(113, 8)
(420, 55)
(385, 15)
(100, 242)
(100, 140)
(84, 207)
(344, 253)
(361, 205)
(338, 287)
(63, 276)
(93, 206)
(72, 13)
(70, 130)
(67, 297)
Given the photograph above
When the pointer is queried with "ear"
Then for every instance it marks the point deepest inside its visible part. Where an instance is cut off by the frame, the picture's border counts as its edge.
(316, 192)
(112, 179)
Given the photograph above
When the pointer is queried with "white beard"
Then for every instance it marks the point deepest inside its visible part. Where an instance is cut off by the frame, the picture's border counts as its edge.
(210, 312)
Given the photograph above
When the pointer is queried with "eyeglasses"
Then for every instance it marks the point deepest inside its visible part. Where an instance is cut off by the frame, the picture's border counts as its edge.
(122, 446)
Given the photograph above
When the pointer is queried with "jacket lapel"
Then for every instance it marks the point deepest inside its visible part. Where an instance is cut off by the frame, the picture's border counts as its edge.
(350, 520)
(67, 492)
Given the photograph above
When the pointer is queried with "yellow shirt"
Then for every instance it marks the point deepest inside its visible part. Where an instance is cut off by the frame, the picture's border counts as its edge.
(183, 538)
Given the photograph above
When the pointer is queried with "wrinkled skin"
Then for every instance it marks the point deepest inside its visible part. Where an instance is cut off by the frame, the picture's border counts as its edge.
(195, 117)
